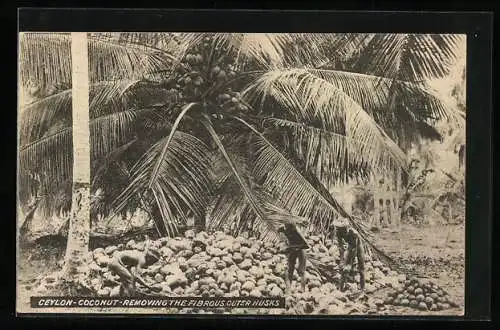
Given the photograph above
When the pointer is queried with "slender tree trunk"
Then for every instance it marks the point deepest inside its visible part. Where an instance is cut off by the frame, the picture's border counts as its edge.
(79, 226)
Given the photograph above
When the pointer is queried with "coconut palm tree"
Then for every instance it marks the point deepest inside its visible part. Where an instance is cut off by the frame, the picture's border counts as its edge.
(79, 226)
(244, 127)
(47, 71)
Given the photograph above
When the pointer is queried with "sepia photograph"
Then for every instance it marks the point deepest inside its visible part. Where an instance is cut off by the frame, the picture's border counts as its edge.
(241, 173)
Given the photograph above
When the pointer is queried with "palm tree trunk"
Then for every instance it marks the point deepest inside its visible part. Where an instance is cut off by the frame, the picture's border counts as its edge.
(79, 226)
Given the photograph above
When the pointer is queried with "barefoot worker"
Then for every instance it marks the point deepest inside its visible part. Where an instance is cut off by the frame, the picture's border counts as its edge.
(295, 251)
(346, 235)
(128, 265)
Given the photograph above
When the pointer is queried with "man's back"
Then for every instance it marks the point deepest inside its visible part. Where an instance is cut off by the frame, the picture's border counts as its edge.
(346, 234)
(295, 240)
(130, 258)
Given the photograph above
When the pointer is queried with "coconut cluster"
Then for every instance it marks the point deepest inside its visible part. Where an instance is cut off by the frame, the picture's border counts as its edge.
(205, 65)
(220, 265)
(420, 294)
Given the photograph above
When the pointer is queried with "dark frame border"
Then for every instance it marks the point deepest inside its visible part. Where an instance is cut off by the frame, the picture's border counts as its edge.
(477, 26)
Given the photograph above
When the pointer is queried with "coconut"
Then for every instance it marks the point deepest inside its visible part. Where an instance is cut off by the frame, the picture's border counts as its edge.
(178, 279)
(428, 300)
(104, 292)
(211, 265)
(422, 306)
(158, 278)
(114, 292)
(94, 267)
(237, 257)
(241, 277)
(224, 287)
(183, 265)
(228, 260)
(245, 264)
(221, 75)
(261, 282)
(220, 264)
(102, 260)
(244, 250)
(256, 272)
(215, 71)
(110, 249)
(213, 272)
(370, 288)
(166, 252)
(248, 286)
(171, 269)
(252, 252)
(266, 255)
(235, 293)
(178, 291)
(236, 285)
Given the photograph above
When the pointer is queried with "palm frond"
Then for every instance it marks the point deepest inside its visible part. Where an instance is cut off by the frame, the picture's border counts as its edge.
(51, 156)
(230, 208)
(266, 50)
(164, 150)
(311, 99)
(301, 195)
(410, 57)
(113, 60)
(256, 206)
(284, 182)
(183, 182)
(46, 59)
(343, 47)
(373, 94)
(114, 130)
(406, 111)
(99, 169)
(105, 98)
(38, 117)
(330, 155)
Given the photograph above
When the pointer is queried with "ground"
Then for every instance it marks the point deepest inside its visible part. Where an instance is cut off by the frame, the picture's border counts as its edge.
(436, 252)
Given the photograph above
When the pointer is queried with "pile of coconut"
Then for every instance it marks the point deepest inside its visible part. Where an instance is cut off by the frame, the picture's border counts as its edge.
(220, 265)
(420, 294)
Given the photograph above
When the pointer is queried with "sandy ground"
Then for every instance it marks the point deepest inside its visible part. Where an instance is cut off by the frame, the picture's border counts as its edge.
(435, 252)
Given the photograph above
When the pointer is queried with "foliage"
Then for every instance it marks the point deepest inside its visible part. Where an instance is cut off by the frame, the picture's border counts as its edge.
(280, 122)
